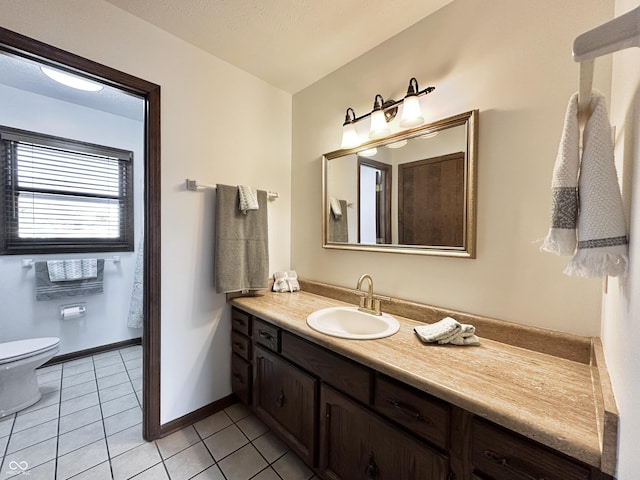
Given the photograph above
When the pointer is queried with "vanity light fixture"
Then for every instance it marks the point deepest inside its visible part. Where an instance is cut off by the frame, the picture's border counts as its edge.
(383, 113)
(72, 81)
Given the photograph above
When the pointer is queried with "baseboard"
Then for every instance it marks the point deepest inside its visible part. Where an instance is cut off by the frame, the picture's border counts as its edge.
(197, 415)
(92, 351)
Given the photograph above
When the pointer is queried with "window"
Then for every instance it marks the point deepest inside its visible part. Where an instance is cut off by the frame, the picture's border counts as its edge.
(61, 195)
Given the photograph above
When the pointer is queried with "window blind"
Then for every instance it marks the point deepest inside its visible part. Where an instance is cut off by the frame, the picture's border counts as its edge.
(62, 195)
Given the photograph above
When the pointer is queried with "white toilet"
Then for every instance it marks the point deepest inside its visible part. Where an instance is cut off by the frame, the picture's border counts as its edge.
(18, 363)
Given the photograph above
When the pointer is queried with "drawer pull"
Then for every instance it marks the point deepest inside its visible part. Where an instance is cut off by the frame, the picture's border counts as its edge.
(409, 412)
(265, 335)
(240, 322)
(371, 472)
(280, 401)
(239, 345)
(504, 462)
(239, 377)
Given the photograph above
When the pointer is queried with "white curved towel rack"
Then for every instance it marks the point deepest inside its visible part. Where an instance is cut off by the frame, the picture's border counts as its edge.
(617, 34)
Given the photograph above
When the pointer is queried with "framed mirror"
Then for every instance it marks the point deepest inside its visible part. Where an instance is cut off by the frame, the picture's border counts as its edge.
(411, 192)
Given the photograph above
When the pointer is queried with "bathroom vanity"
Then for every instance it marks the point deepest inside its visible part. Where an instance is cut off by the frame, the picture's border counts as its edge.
(525, 404)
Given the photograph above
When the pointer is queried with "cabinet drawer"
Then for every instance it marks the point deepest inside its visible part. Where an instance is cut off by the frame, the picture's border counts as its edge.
(266, 334)
(240, 321)
(241, 378)
(241, 345)
(342, 373)
(507, 456)
(426, 416)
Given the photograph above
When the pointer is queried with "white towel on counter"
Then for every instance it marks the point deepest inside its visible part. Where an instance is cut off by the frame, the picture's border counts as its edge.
(248, 198)
(286, 281)
(448, 331)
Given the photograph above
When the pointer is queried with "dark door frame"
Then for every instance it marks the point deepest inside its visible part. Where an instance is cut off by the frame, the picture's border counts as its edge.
(19, 45)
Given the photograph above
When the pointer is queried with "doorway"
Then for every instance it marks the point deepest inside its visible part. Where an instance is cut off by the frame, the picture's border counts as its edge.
(14, 44)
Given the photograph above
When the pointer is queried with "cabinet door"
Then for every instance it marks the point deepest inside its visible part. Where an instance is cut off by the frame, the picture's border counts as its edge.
(241, 378)
(285, 399)
(357, 445)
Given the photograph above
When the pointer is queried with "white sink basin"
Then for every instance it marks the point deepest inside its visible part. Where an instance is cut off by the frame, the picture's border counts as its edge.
(349, 322)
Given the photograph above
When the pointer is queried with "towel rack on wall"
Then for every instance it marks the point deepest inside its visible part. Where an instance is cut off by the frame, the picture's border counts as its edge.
(617, 34)
(194, 185)
(28, 262)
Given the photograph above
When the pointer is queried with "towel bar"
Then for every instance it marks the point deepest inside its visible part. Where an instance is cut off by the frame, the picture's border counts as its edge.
(194, 186)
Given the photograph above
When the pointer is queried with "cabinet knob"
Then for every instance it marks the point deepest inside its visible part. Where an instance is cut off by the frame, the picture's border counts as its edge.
(265, 335)
(280, 401)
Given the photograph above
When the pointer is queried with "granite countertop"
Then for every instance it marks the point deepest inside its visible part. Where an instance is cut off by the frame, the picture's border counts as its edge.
(544, 397)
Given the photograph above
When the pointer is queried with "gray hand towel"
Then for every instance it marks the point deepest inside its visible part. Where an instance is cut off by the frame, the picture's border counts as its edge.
(242, 246)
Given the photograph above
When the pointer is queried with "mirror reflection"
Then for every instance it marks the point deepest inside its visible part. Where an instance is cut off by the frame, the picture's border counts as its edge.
(413, 192)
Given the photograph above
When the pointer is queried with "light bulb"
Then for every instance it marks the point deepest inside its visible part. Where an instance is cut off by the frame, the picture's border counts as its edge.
(379, 127)
(411, 112)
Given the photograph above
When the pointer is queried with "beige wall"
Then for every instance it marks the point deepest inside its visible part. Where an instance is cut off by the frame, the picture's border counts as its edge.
(621, 318)
(512, 61)
(219, 125)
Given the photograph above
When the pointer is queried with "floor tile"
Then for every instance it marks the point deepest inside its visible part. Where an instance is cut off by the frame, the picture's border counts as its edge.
(242, 464)
(79, 403)
(267, 474)
(79, 378)
(6, 424)
(119, 404)
(116, 391)
(137, 383)
(133, 364)
(177, 441)
(70, 370)
(135, 373)
(125, 440)
(101, 362)
(237, 411)
(252, 427)
(212, 424)
(123, 420)
(80, 437)
(50, 376)
(135, 461)
(225, 442)
(3, 447)
(211, 473)
(33, 435)
(78, 390)
(157, 472)
(131, 353)
(290, 467)
(270, 447)
(102, 471)
(37, 417)
(50, 368)
(189, 462)
(77, 361)
(34, 455)
(111, 380)
(82, 459)
(79, 419)
(45, 471)
(110, 370)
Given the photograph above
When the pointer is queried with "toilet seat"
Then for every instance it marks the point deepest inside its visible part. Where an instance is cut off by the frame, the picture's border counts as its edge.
(19, 349)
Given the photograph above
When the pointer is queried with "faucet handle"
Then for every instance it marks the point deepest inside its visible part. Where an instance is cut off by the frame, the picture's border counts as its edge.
(381, 298)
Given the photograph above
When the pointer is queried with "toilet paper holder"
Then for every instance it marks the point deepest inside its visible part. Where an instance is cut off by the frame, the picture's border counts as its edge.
(75, 310)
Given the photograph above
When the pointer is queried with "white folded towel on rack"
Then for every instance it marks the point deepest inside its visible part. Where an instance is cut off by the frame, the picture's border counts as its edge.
(587, 207)
(448, 331)
(74, 269)
(248, 198)
(336, 209)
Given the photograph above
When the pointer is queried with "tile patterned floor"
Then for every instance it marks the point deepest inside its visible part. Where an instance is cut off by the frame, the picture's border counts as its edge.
(87, 426)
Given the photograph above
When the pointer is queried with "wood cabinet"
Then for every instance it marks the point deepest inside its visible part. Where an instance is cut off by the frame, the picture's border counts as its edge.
(357, 444)
(285, 399)
(347, 421)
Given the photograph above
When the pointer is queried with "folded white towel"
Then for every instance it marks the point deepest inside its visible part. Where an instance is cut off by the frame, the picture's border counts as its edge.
(286, 281)
(336, 209)
(447, 331)
(75, 269)
(248, 198)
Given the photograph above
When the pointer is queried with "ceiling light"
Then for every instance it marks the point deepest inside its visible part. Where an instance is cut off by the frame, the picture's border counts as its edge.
(72, 81)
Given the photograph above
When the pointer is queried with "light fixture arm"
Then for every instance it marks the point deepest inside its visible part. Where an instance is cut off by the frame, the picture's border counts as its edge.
(385, 104)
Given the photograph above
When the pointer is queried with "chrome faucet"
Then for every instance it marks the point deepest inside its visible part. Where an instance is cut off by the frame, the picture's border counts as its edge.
(369, 303)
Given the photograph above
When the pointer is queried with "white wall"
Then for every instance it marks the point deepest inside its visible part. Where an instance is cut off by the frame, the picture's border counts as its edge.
(106, 318)
(512, 61)
(219, 125)
(621, 312)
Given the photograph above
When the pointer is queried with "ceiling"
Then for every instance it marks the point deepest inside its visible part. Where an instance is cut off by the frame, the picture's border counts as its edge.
(288, 43)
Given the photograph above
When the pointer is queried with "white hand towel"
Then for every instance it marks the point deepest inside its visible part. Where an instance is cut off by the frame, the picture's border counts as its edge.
(561, 238)
(336, 209)
(445, 328)
(286, 281)
(602, 231)
(248, 198)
